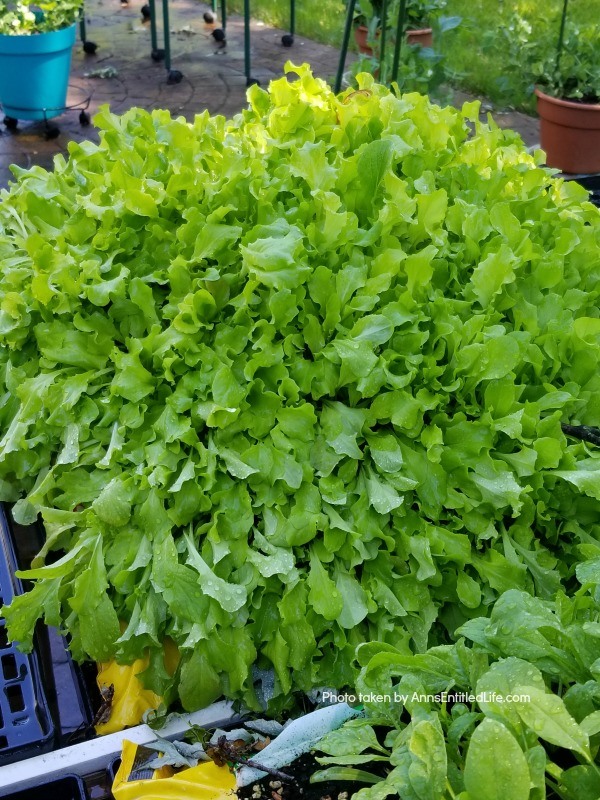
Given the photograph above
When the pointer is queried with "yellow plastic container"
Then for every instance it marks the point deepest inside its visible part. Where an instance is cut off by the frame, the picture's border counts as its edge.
(207, 781)
(130, 700)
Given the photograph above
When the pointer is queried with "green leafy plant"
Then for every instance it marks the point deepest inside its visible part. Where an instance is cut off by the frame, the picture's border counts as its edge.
(529, 59)
(576, 74)
(27, 18)
(511, 711)
(419, 13)
(291, 382)
(419, 69)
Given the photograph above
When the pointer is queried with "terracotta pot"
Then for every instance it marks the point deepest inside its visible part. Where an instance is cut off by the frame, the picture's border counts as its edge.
(361, 34)
(569, 134)
(423, 37)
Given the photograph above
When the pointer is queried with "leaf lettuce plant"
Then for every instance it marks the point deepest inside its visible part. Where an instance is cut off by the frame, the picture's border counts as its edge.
(519, 719)
(287, 383)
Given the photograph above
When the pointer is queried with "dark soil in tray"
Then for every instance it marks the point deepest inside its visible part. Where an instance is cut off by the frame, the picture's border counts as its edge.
(270, 788)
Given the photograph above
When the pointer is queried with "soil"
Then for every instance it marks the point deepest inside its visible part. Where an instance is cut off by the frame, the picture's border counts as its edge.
(270, 788)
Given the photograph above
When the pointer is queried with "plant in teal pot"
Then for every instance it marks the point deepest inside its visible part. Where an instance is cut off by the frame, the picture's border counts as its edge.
(36, 42)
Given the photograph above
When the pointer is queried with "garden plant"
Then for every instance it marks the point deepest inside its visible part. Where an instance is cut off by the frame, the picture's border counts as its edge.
(18, 19)
(311, 394)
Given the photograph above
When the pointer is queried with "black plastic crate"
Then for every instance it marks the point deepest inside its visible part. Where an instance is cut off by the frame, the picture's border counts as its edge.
(68, 788)
(71, 695)
(113, 768)
(26, 726)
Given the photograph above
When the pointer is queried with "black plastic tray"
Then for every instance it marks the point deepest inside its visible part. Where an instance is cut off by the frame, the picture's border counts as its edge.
(26, 726)
(68, 788)
(70, 694)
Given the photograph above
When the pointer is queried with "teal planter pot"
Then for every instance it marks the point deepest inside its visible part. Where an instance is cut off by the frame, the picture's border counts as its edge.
(34, 73)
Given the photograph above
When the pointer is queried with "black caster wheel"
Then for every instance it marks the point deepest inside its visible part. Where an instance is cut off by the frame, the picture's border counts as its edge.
(51, 132)
(146, 13)
(174, 76)
(287, 40)
(252, 82)
(89, 48)
(11, 123)
(84, 119)
(157, 55)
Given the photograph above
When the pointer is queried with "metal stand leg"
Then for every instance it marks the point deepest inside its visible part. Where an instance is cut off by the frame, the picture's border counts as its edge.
(345, 43)
(173, 75)
(399, 37)
(382, 65)
(88, 47)
(250, 81)
(166, 33)
(287, 40)
(156, 53)
(219, 34)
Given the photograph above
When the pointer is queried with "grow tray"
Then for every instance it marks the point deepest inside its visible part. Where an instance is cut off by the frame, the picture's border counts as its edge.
(67, 692)
(26, 725)
(89, 759)
(47, 703)
(68, 788)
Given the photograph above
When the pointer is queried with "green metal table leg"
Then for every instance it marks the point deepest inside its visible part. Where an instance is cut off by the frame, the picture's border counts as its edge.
(287, 40)
(223, 15)
(247, 67)
(399, 38)
(153, 37)
(214, 6)
(166, 34)
(345, 43)
(382, 64)
(89, 48)
(173, 75)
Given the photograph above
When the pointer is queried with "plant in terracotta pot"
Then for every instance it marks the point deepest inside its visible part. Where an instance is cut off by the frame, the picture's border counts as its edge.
(562, 73)
(419, 15)
(367, 18)
(35, 57)
(397, 57)
(568, 100)
(419, 19)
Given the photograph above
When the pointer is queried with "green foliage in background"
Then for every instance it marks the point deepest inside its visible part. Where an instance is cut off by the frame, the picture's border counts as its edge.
(529, 60)
(490, 52)
(29, 18)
